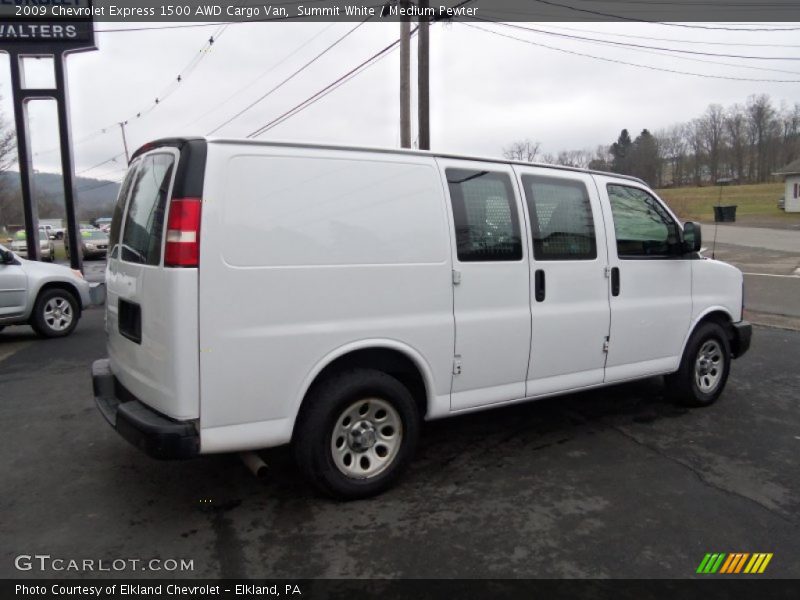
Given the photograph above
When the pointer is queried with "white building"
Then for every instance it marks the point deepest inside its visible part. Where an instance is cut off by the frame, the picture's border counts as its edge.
(791, 198)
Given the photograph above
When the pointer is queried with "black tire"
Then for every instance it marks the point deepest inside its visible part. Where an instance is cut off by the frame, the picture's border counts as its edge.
(688, 385)
(43, 324)
(1, 328)
(323, 411)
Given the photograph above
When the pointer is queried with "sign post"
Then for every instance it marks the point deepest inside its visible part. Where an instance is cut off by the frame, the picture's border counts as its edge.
(45, 36)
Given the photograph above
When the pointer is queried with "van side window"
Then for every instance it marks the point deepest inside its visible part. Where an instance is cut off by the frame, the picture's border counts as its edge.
(561, 218)
(644, 229)
(119, 207)
(485, 214)
(144, 225)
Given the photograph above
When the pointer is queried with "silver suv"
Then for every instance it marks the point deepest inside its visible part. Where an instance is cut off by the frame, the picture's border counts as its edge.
(49, 298)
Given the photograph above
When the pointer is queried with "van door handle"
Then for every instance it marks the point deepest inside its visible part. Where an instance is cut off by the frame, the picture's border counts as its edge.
(539, 288)
(615, 281)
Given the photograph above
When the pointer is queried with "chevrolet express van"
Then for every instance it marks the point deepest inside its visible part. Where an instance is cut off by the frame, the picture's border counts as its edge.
(331, 298)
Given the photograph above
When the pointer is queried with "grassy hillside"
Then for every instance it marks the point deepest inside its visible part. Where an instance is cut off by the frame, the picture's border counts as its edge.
(756, 203)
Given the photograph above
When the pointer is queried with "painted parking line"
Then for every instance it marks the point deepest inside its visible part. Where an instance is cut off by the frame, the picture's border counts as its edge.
(772, 275)
(8, 350)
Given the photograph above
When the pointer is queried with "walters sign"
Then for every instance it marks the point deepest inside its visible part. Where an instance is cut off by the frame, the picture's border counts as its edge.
(47, 23)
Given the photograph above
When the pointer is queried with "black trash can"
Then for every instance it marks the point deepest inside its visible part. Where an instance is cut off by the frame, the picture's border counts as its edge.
(725, 214)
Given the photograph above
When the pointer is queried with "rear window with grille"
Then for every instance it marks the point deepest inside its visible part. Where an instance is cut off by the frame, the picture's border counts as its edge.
(485, 214)
(561, 218)
(144, 223)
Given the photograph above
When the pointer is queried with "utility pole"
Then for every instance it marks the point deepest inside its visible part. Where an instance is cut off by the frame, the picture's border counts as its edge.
(405, 77)
(125, 142)
(423, 78)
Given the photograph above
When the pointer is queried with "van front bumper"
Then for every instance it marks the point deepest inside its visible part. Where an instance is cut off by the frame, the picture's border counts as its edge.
(742, 333)
(151, 432)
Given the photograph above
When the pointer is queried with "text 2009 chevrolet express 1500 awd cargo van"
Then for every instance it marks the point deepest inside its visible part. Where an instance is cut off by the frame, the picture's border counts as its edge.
(262, 294)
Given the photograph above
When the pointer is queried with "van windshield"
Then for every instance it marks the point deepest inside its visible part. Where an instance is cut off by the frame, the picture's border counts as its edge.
(144, 222)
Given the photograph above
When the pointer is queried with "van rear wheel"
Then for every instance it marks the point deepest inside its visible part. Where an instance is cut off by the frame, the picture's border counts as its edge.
(357, 433)
(704, 367)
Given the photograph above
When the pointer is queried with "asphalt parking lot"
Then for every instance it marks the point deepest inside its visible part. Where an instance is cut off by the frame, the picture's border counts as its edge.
(612, 483)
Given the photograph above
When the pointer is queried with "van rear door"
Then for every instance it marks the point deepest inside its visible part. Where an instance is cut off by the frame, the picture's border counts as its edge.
(152, 307)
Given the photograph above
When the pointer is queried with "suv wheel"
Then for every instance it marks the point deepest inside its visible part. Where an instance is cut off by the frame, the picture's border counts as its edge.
(357, 433)
(55, 314)
(704, 367)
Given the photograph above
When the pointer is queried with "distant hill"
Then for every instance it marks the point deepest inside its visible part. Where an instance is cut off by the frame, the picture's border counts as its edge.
(95, 197)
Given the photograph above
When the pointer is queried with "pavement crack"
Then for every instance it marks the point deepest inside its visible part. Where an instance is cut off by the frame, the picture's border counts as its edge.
(699, 475)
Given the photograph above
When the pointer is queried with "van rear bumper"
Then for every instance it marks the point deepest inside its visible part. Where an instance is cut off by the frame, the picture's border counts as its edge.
(151, 432)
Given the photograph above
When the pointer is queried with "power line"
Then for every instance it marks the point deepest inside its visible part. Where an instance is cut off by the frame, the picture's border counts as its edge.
(100, 164)
(289, 78)
(623, 62)
(328, 88)
(98, 186)
(196, 25)
(264, 74)
(684, 25)
(163, 95)
(659, 52)
(653, 38)
(632, 45)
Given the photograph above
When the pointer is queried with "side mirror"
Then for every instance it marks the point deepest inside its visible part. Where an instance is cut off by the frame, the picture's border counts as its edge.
(6, 257)
(692, 238)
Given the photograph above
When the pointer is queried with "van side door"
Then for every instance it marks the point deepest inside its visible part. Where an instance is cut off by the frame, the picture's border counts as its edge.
(491, 298)
(651, 282)
(569, 287)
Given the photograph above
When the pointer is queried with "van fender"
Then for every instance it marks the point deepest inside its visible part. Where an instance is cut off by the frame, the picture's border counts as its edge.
(700, 317)
(369, 344)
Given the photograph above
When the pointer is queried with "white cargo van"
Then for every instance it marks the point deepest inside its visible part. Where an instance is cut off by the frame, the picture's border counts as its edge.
(330, 298)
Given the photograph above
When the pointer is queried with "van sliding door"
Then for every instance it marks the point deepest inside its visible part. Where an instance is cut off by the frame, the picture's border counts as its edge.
(569, 285)
(490, 285)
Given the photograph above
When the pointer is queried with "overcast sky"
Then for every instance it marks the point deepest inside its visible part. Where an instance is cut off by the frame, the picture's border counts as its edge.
(487, 90)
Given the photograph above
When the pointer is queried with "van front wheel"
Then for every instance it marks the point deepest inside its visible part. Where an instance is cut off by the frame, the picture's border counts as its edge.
(704, 367)
(357, 433)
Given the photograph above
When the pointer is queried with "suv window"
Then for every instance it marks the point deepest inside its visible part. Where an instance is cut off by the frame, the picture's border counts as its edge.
(144, 223)
(485, 214)
(561, 218)
(644, 229)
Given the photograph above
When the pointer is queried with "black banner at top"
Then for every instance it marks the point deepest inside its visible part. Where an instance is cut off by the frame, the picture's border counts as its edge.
(138, 11)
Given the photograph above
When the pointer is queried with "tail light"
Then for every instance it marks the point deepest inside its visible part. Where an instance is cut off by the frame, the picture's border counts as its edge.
(183, 233)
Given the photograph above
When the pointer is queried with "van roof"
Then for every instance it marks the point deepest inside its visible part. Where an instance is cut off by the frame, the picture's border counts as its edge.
(325, 146)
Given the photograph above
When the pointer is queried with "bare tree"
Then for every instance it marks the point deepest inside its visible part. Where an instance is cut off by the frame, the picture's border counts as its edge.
(574, 158)
(524, 151)
(761, 114)
(736, 126)
(672, 154)
(693, 132)
(10, 203)
(712, 130)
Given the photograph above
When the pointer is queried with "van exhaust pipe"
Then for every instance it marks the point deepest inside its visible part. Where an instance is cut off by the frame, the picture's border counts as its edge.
(253, 462)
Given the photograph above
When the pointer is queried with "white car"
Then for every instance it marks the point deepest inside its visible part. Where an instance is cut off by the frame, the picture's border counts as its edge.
(331, 298)
(49, 298)
(47, 249)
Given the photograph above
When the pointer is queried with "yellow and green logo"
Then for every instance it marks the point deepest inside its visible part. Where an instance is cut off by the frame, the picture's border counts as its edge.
(734, 563)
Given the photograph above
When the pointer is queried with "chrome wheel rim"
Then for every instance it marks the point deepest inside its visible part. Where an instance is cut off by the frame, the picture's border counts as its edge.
(58, 313)
(709, 366)
(366, 438)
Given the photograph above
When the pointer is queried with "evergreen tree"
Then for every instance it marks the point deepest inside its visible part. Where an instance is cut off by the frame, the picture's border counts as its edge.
(644, 158)
(621, 153)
